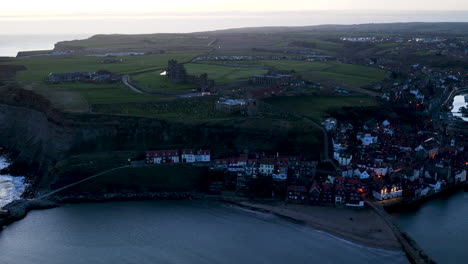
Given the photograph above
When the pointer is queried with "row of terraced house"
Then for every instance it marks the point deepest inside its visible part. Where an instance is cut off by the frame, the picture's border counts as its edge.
(177, 156)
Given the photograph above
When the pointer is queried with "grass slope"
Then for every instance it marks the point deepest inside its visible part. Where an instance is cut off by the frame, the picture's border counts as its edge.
(316, 107)
(223, 74)
(39, 68)
(155, 82)
(349, 74)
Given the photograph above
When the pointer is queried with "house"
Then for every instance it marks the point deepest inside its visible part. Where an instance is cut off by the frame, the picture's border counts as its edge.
(343, 158)
(297, 193)
(340, 180)
(282, 173)
(188, 156)
(162, 156)
(327, 194)
(354, 198)
(315, 193)
(267, 166)
(251, 168)
(368, 139)
(352, 184)
(340, 194)
(385, 192)
(221, 163)
(460, 176)
(203, 156)
(347, 171)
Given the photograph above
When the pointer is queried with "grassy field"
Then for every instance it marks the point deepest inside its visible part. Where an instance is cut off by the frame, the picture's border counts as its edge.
(316, 107)
(39, 68)
(76, 97)
(168, 42)
(348, 74)
(201, 108)
(223, 74)
(155, 82)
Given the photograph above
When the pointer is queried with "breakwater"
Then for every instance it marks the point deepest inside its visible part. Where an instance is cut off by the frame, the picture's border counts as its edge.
(414, 252)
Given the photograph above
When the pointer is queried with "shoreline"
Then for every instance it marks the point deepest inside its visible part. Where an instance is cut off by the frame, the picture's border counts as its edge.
(371, 226)
(322, 222)
(383, 239)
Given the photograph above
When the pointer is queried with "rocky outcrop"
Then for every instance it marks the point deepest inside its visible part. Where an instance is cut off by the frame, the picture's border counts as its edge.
(17, 210)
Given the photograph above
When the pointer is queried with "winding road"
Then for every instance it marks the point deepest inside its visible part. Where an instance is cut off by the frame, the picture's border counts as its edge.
(126, 81)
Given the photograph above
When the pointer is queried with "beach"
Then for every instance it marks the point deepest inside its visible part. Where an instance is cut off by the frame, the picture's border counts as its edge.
(362, 226)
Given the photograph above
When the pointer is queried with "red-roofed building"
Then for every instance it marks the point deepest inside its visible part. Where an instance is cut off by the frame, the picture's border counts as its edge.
(355, 198)
(297, 193)
(267, 166)
(203, 156)
(162, 156)
(188, 155)
(315, 193)
(327, 194)
(340, 194)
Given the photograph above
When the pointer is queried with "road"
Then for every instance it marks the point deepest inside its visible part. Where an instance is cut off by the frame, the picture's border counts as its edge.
(126, 81)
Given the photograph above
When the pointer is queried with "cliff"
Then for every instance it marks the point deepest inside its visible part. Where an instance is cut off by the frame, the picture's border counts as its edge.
(41, 135)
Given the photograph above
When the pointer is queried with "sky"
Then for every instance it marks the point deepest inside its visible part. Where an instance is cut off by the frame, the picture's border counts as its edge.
(150, 16)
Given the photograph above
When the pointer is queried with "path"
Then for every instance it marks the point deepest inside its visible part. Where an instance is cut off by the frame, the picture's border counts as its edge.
(126, 81)
(78, 182)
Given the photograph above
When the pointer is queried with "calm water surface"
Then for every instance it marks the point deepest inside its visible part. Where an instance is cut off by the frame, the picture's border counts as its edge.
(173, 232)
(440, 227)
(459, 101)
(10, 45)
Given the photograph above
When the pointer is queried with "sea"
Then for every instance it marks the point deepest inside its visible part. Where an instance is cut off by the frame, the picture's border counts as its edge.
(11, 187)
(10, 45)
(460, 101)
(210, 232)
(440, 227)
(173, 232)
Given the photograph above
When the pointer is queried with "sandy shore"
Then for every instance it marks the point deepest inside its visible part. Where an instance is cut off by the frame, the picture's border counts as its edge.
(361, 226)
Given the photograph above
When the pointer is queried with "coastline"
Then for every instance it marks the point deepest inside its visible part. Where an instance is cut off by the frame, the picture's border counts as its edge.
(359, 226)
(370, 226)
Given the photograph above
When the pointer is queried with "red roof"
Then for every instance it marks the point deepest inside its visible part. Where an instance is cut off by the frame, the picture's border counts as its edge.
(203, 152)
(296, 188)
(188, 151)
(353, 182)
(162, 153)
(267, 161)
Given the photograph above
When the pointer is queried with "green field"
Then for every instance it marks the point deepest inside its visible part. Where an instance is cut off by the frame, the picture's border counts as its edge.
(153, 81)
(223, 74)
(76, 97)
(39, 68)
(348, 74)
(153, 42)
(316, 107)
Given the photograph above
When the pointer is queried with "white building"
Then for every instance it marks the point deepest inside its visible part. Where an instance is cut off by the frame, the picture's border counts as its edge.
(386, 193)
(460, 176)
(369, 139)
(188, 155)
(267, 167)
(203, 156)
(343, 159)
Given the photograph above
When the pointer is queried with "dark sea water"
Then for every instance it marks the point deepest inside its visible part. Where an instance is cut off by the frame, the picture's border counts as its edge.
(10, 45)
(440, 227)
(173, 232)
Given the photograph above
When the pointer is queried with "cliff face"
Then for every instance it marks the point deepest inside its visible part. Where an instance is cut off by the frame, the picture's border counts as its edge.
(42, 136)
